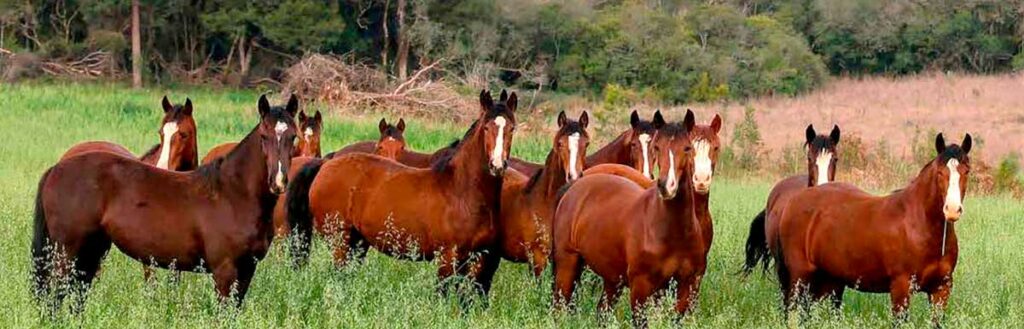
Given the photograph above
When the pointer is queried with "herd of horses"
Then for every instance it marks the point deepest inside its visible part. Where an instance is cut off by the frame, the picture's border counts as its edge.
(636, 212)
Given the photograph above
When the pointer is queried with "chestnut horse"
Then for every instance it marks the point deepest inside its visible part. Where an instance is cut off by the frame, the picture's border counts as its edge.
(631, 147)
(216, 218)
(822, 158)
(527, 204)
(644, 238)
(176, 151)
(450, 210)
(391, 143)
(308, 144)
(835, 236)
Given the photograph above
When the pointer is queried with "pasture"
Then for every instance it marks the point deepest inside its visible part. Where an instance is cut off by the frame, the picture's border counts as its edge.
(41, 121)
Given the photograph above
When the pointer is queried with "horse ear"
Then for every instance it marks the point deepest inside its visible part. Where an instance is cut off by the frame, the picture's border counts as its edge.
(834, 135)
(486, 103)
(658, 121)
(401, 125)
(512, 102)
(382, 125)
(264, 105)
(940, 144)
(187, 109)
(634, 119)
(561, 119)
(318, 117)
(810, 134)
(293, 105)
(302, 116)
(584, 119)
(716, 124)
(166, 104)
(504, 96)
(690, 120)
(966, 145)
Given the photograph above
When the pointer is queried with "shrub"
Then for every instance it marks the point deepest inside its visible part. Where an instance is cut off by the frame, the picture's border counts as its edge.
(746, 142)
(1006, 178)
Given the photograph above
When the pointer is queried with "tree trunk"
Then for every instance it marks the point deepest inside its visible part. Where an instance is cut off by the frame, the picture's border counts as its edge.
(384, 49)
(402, 58)
(244, 57)
(136, 47)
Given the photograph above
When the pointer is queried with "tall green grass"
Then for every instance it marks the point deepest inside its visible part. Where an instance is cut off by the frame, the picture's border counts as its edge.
(39, 122)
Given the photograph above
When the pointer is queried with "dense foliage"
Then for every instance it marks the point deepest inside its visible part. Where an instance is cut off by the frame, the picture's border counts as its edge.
(675, 50)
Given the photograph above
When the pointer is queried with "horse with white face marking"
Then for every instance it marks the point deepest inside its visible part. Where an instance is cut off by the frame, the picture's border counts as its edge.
(528, 202)
(632, 147)
(307, 144)
(450, 211)
(822, 158)
(177, 150)
(836, 236)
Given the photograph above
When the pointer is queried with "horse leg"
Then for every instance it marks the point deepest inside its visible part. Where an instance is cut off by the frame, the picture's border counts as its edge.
(831, 290)
(899, 294)
(612, 289)
(488, 266)
(938, 298)
(448, 265)
(686, 293)
(567, 267)
(339, 241)
(540, 261)
(246, 268)
(90, 256)
(225, 276)
(641, 288)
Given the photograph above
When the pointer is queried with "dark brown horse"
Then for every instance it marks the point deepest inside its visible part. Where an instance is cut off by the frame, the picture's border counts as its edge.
(392, 145)
(835, 236)
(449, 210)
(643, 238)
(177, 149)
(822, 158)
(308, 143)
(216, 218)
(632, 147)
(528, 203)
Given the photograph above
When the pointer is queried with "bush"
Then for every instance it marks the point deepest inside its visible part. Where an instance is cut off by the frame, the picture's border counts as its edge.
(746, 142)
(1007, 175)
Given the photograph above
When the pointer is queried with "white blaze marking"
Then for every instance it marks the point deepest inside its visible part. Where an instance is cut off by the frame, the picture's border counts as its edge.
(702, 161)
(822, 162)
(645, 139)
(280, 129)
(279, 179)
(308, 134)
(165, 150)
(499, 144)
(672, 181)
(953, 204)
(574, 150)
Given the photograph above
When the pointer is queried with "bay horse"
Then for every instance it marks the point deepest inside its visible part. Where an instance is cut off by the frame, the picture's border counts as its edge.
(214, 219)
(391, 144)
(835, 236)
(528, 203)
(822, 159)
(643, 238)
(449, 211)
(308, 144)
(631, 147)
(176, 151)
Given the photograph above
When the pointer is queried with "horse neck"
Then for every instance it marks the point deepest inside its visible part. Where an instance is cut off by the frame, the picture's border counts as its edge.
(469, 169)
(923, 195)
(614, 152)
(674, 220)
(701, 204)
(190, 160)
(245, 168)
(552, 176)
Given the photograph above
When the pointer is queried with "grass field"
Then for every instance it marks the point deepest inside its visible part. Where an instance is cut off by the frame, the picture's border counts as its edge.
(41, 121)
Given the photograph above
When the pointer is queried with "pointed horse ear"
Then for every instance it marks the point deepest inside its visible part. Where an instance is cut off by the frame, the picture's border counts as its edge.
(512, 103)
(834, 135)
(584, 119)
(486, 103)
(716, 124)
(293, 106)
(318, 117)
(634, 119)
(689, 121)
(166, 104)
(382, 125)
(264, 105)
(401, 125)
(658, 121)
(940, 144)
(504, 96)
(302, 116)
(562, 119)
(810, 134)
(187, 109)
(966, 145)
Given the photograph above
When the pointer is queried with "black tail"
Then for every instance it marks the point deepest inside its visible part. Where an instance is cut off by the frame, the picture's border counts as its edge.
(41, 266)
(757, 246)
(300, 218)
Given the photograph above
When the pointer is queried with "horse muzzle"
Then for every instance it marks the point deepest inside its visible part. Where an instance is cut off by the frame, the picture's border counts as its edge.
(952, 213)
(702, 186)
(666, 192)
(498, 171)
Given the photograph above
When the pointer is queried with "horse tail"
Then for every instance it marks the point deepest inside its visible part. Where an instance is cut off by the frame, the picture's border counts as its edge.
(40, 241)
(300, 218)
(757, 245)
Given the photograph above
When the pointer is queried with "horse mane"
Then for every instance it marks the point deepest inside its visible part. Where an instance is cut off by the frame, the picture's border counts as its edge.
(535, 178)
(210, 172)
(441, 164)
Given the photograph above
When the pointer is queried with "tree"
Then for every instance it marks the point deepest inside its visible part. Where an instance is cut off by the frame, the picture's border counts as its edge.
(136, 47)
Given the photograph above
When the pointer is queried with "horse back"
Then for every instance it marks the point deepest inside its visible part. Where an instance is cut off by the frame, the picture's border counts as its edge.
(621, 170)
(218, 151)
(96, 146)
